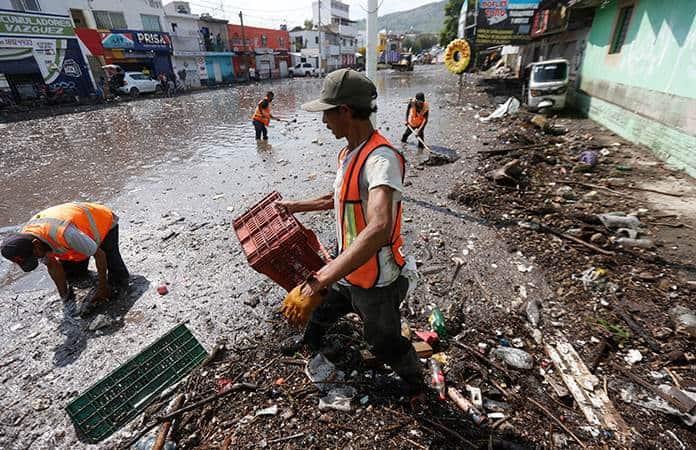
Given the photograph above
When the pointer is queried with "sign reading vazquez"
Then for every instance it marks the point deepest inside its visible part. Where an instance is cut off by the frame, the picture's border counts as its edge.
(33, 25)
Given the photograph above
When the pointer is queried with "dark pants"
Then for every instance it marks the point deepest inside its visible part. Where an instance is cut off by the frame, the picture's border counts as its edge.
(260, 129)
(116, 268)
(408, 132)
(379, 310)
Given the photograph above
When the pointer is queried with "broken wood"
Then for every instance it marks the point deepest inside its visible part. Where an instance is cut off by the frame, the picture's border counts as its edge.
(619, 309)
(586, 390)
(675, 397)
(591, 186)
(655, 191)
(167, 424)
(581, 242)
(561, 424)
(285, 438)
(452, 433)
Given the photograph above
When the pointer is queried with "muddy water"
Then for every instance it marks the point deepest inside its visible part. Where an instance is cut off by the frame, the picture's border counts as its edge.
(186, 165)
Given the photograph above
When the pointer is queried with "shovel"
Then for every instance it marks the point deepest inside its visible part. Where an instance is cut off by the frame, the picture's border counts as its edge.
(439, 151)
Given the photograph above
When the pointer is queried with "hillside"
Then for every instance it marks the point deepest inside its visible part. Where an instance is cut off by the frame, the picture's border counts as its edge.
(426, 19)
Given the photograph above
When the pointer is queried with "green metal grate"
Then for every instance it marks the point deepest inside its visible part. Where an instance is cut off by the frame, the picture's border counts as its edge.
(124, 393)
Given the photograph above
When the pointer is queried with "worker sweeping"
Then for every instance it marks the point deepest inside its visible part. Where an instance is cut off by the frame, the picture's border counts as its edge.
(64, 237)
(416, 119)
(262, 116)
(365, 277)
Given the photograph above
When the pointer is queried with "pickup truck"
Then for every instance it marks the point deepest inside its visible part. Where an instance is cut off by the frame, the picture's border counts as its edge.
(304, 70)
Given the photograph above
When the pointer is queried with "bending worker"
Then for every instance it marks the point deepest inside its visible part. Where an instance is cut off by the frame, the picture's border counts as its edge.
(65, 236)
(262, 116)
(366, 276)
(416, 118)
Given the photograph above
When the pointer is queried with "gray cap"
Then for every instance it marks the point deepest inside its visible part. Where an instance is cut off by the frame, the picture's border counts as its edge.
(344, 87)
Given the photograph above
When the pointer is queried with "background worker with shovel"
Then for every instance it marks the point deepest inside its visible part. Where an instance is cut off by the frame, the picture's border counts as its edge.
(416, 119)
(366, 277)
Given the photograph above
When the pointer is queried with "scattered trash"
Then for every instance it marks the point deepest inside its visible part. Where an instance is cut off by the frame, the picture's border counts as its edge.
(628, 395)
(631, 243)
(475, 396)
(441, 358)
(684, 320)
(437, 322)
(437, 378)
(430, 337)
(509, 174)
(322, 372)
(465, 405)
(410, 271)
(514, 357)
(339, 399)
(593, 278)
(40, 404)
(162, 289)
(147, 442)
(99, 322)
(533, 311)
(511, 106)
(525, 268)
(633, 356)
(405, 329)
(270, 411)
(619, 220)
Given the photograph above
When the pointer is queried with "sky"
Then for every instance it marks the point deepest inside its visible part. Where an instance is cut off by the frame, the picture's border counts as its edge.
(272, 13)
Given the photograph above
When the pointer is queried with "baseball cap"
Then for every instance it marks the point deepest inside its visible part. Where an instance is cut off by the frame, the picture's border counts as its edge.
(343, 87)
(19, 249)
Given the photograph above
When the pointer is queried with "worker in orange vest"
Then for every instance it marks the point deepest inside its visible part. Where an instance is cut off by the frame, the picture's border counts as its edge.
(417, 113)
(64, 237)
(366, 276)
(262, 116)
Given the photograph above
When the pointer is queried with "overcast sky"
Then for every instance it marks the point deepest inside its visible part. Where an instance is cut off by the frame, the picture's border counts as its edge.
(271, 13)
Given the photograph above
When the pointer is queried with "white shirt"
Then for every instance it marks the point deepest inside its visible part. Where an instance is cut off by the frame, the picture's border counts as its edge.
(382, 168)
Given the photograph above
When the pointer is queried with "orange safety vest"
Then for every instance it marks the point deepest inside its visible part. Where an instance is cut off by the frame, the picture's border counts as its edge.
(415, 118)
(49, 226)
(263, 115)
(353, 218)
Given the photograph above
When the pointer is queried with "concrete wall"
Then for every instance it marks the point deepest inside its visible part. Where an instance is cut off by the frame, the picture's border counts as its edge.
(651, 80)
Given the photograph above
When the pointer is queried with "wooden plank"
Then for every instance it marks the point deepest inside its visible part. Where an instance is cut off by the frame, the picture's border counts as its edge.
(585, 388)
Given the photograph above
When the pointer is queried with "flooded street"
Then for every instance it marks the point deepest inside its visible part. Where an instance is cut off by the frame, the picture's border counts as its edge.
(189, 165)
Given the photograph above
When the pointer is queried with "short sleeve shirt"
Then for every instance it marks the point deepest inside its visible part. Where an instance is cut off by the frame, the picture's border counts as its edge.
(382, 168)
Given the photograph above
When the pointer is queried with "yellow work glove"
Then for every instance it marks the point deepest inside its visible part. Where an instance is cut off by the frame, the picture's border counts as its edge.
(297, 308)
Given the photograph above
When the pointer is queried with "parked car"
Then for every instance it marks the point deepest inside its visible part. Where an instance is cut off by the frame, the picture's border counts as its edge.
(136, 83)
(304, 70)
(545, 84)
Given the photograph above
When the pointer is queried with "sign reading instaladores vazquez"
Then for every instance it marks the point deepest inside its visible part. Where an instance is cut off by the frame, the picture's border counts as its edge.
(504, 22)
(17, 23)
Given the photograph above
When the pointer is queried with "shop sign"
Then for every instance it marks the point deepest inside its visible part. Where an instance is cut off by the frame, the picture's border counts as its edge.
(27, 24)
(504, 22)
(136, 40)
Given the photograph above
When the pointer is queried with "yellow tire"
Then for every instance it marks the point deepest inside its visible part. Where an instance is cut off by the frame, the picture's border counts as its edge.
(457, 56)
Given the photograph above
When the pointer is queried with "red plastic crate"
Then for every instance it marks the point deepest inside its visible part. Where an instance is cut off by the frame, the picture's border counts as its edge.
(277, 245)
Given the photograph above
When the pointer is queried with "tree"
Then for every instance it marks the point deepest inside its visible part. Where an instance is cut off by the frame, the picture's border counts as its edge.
(425, 41)
(449, 30)
(308, 24)
(409, 43)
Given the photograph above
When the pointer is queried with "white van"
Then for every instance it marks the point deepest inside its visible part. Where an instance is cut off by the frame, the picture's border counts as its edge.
(546, 84)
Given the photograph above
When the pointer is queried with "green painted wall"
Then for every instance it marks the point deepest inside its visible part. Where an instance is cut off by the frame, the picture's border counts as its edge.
(647, 91)
(659, 52)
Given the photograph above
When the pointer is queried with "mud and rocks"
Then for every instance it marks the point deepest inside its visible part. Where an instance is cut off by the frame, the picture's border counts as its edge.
(184, 167)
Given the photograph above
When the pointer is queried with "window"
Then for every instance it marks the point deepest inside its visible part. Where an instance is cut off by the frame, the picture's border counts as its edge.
(617, 41)
(174, 25)
(150, 23)
(181, 9)
(26, 5)
(110, 20)
(264, 40)
(543, 73)
(78, 18)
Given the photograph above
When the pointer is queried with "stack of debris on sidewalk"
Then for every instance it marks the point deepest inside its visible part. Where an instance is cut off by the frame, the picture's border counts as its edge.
(570, 196)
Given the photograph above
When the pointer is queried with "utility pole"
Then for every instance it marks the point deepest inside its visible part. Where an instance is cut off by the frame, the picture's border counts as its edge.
(246, 56)
(371, 54)
(320, 41)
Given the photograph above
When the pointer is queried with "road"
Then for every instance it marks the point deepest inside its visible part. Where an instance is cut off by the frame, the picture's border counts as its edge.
(190, 164)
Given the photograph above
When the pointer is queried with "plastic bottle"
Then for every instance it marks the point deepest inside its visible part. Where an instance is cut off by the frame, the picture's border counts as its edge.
(684, 319)
(514, 357)
(437, 379)
(437, 322)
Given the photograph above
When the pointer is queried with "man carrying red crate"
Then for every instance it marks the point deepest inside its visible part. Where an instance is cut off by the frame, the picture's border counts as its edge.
(365, 277)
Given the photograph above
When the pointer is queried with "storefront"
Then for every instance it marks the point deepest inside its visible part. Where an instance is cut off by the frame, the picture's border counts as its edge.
(219, 68)
(40, 51)
(142, 51)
